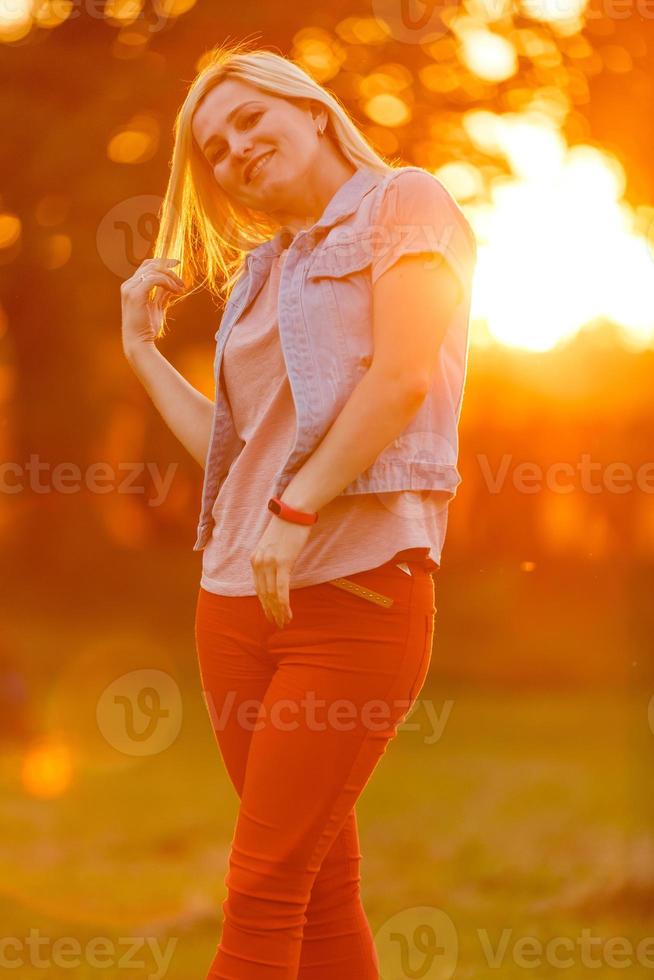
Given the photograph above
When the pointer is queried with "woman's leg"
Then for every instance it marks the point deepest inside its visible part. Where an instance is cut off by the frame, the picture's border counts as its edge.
(337, 940)
(235, 676)
(230, 640)
(346, 673)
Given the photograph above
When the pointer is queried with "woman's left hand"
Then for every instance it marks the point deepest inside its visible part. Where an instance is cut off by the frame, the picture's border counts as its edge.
(272, 561)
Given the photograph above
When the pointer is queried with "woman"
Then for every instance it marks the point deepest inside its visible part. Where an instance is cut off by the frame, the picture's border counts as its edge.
(330, 458)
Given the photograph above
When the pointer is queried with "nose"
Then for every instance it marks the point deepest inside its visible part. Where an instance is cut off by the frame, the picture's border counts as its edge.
(242, 151)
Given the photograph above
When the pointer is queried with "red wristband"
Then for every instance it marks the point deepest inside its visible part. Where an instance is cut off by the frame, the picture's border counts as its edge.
(288, 513)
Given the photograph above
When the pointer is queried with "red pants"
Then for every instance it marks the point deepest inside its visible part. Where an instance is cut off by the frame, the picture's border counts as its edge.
(302, 715)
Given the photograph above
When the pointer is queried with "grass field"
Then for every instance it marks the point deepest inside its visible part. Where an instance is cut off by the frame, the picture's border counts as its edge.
(529, 816)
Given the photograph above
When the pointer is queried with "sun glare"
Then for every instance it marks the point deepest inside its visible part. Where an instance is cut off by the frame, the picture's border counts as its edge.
(559, 248)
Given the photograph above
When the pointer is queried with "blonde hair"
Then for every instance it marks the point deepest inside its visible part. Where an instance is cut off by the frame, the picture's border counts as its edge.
(200, 225)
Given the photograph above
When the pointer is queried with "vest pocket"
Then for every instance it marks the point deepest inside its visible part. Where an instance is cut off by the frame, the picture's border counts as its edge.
(342, 259)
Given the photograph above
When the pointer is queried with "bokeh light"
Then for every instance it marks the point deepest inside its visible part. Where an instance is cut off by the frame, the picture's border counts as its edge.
(57, 250)
(51, 13)
(387, 110)
(173, 8)
(15, 19)
(136, 143)
(10, 229)
(319, 53)
(122, 12)
(489, 56)
(47, 769)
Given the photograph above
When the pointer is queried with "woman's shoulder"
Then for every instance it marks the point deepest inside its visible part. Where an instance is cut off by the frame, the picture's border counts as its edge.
(411, 196)
(413, 188)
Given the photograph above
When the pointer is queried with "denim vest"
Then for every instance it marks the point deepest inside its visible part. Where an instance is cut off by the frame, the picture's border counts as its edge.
(326, 330)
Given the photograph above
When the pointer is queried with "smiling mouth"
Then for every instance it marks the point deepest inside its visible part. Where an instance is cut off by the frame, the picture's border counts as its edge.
(259, 166)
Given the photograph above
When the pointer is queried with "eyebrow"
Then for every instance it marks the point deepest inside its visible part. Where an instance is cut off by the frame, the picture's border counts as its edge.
(214, 138)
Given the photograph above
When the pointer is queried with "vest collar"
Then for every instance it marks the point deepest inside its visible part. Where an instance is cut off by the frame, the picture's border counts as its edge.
(344, 201)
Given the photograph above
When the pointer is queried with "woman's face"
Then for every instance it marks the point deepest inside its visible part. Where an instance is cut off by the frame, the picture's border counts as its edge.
(236, 124)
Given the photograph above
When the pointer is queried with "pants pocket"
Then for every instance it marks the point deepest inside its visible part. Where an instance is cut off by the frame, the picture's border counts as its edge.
(370, 595)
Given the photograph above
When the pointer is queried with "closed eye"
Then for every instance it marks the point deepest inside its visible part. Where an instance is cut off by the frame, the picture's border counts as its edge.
(215, 157)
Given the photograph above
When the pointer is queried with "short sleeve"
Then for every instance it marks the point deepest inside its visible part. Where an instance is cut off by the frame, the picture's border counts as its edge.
(417, 214)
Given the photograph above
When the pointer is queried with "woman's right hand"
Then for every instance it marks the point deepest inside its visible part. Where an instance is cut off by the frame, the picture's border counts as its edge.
(141, 316)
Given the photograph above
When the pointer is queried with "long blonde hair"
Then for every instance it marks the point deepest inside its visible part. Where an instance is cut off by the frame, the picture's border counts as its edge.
(206, 230)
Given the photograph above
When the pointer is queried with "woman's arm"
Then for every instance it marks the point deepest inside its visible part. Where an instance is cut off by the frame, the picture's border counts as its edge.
(417, 283)
(413, 304)
(185, 410)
